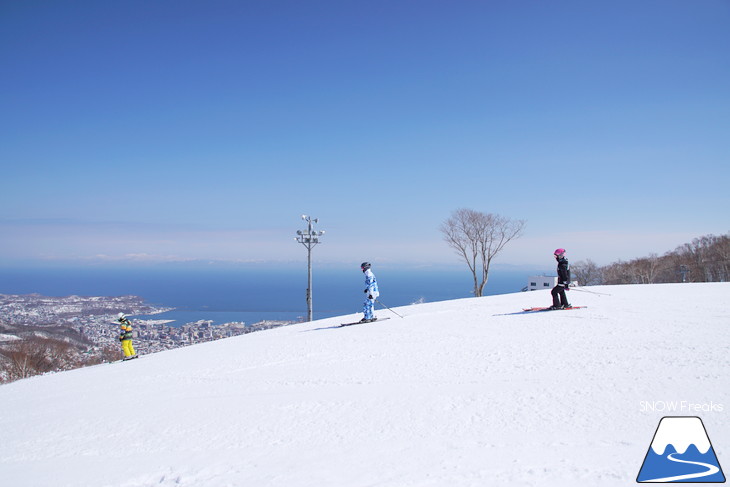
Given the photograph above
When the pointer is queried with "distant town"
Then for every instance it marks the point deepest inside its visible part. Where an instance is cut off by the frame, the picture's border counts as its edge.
(41, 334)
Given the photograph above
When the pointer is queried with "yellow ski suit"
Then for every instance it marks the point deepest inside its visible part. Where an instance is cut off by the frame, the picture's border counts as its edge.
(125, 336)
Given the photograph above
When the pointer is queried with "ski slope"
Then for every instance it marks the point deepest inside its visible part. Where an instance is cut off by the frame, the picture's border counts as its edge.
(470, 392)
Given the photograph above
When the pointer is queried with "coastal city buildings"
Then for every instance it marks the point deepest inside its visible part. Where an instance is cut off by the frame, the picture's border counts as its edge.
(73, 331)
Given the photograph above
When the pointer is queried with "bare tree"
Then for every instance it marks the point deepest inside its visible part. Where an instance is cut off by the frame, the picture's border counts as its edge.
(720, 258)
(478, 238)
(33, 356)
(648, 269)
(28, 358)
(616, 273)
(587, 273)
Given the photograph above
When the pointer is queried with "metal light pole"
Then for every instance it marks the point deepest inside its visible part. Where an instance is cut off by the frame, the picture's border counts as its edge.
(309, 238)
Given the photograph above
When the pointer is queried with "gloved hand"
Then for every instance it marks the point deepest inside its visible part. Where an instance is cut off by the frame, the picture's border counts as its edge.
(366, 290)
(567, 287)
(370, 296)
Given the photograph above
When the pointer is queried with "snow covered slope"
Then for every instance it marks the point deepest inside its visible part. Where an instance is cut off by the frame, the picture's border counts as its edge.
(458, 393)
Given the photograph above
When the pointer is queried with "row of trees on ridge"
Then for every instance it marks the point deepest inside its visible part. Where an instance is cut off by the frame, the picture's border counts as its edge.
(705, 259)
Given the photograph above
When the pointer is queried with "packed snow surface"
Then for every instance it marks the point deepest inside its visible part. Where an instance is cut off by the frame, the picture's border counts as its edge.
(470, 392)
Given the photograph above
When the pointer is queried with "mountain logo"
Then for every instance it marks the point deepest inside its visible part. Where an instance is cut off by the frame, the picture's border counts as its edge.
(680, 452)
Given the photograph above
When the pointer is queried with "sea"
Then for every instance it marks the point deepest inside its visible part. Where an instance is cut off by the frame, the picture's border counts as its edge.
(224, 295)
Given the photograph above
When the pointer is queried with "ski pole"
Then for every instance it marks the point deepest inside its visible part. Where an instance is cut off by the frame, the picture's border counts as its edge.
(384, 306)
(592, 292)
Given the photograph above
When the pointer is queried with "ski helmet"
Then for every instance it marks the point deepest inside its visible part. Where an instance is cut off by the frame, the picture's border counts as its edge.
(365, 266)
(559, 252)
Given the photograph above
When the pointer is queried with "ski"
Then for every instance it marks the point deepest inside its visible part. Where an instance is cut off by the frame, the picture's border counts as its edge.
(363, 322)
(125, 359)
(549, 308)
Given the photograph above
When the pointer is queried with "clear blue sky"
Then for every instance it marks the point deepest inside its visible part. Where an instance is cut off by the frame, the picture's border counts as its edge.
(176, 130)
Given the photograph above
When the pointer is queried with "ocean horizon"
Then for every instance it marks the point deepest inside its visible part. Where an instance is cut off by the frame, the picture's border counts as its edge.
(251, 295)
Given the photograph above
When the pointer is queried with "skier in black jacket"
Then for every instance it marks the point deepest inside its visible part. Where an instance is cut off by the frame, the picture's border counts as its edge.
(563, 281)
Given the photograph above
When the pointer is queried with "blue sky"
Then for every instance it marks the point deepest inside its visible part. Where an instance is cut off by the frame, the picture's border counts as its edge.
(165, 131)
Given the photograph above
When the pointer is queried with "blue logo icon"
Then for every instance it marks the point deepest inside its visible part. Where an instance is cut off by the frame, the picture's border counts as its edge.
(680, 452)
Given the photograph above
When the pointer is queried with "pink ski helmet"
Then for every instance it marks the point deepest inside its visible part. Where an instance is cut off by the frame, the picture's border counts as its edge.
(559, 252)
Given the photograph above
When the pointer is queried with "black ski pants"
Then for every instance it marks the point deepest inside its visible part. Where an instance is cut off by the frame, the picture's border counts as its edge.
(559, 291)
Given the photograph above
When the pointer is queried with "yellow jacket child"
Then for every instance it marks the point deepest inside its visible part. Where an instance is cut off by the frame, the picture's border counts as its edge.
(125, 336)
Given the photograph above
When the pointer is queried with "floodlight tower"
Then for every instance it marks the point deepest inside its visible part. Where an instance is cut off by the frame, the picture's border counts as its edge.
(309, 238)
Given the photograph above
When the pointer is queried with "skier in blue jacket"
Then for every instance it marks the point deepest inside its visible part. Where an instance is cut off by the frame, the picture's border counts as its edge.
(371, 290)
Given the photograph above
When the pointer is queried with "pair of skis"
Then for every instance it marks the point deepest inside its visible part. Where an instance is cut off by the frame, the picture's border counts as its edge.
(364, 322)
(372, 321)
(550, 308)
